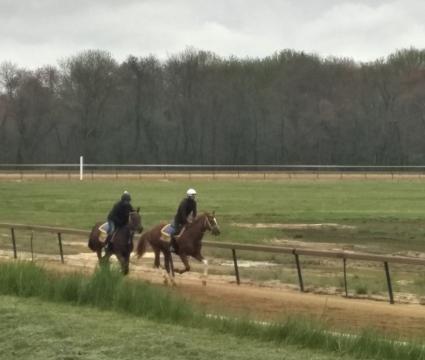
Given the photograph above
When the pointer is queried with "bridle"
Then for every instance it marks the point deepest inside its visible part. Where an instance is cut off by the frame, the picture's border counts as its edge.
(207, 224)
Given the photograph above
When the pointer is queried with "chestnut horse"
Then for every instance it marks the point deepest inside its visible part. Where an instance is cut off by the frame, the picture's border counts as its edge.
(122, 241)
(188, 244)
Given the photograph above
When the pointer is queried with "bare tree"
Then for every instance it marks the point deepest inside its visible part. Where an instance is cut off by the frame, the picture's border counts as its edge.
(88, 84)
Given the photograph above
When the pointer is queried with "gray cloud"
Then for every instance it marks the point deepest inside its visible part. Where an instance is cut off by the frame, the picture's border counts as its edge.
(36, 32)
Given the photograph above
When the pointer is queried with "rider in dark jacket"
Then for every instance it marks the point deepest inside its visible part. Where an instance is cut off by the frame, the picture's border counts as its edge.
(118, 216)
(187, 207)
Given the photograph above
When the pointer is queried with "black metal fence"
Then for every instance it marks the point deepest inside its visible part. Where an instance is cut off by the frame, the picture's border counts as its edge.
(296, 252)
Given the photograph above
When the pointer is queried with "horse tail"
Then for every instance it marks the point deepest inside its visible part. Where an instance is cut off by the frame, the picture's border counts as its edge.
(142, 244)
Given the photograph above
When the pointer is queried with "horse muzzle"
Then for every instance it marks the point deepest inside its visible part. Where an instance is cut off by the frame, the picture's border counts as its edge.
(215, 230)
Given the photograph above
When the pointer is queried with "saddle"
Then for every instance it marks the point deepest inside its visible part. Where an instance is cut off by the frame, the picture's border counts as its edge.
(103, 234)
(168, 229)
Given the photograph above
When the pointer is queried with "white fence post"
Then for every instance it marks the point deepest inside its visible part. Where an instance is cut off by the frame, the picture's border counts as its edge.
(81, 167)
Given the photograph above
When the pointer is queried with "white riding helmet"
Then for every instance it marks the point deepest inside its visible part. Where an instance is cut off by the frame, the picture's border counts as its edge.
(191, 192)
(125, 196)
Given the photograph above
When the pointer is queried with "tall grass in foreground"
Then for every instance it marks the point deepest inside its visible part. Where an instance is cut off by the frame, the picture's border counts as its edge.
(107, 289)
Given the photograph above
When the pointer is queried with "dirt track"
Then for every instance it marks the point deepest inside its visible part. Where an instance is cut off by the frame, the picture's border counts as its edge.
(268, 303)
(223, 295)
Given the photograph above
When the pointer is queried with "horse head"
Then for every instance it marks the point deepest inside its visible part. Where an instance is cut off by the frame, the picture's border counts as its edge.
(211, 223)
(135, 221)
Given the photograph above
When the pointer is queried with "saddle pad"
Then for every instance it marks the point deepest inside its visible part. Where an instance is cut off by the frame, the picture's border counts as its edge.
(104, 228)
(103, 231)
(166, 231)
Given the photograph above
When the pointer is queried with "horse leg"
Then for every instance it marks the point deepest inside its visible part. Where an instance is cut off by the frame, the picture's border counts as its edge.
(99, 254)
(167, 261)
(157, 264)
(124, 260)
(157, 261)
(167, 279)
(126, 268)
(200, 258)
(185, 261)
(104, 260)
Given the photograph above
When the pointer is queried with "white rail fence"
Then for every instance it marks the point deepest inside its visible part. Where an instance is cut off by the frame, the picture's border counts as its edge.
(138, 171)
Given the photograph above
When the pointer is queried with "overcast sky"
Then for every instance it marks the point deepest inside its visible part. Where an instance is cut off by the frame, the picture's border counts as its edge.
(37, 32)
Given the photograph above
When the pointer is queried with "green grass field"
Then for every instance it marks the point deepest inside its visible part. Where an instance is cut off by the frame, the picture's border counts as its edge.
(385, 217)
(33, 329)
(44, 315)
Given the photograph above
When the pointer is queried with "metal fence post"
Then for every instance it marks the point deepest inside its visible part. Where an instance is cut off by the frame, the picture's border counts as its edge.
(300, 276)
(15, 255)
(60, 246)
(31, 245)
(390, 288)
(235, 262)
(345, 276)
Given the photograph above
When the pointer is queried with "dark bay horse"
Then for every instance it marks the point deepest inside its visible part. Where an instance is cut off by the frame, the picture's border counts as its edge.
(121, 244)
(188, 244)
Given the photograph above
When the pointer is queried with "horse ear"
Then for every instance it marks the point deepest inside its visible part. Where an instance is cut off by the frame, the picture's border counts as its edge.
(138, 209)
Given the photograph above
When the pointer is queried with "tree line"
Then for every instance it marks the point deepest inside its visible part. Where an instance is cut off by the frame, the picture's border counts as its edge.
(199, 108)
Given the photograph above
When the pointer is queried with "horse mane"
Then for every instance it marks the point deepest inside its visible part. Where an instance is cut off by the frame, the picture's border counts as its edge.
(200, 216)
(196, 225)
